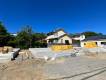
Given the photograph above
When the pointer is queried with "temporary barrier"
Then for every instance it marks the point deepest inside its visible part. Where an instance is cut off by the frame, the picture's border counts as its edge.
(90, 45)
(61, 47)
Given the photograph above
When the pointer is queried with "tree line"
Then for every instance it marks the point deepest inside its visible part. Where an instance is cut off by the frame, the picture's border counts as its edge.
(27, 38)
(24, 39)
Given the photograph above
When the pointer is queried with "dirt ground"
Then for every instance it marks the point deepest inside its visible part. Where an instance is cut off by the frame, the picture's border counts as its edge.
(97, 56)
(23, 68)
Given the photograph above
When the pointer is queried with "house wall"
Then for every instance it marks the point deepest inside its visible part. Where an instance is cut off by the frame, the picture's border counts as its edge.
(99, 43)
(62, 40)
(91, 44)
(55, 35)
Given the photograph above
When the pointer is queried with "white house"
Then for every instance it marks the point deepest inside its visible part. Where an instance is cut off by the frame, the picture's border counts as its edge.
(59, 37)
(79, 37)
(94, 41)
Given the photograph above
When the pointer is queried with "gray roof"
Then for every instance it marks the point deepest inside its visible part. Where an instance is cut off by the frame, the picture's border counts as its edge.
(95, 38)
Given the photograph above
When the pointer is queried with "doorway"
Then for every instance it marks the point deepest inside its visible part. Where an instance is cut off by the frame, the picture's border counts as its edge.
(67, 42)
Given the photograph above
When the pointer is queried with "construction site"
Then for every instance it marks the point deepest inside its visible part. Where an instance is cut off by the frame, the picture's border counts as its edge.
(69, 63)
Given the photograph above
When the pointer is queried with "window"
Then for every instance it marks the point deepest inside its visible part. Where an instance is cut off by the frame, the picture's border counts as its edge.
(104, 43)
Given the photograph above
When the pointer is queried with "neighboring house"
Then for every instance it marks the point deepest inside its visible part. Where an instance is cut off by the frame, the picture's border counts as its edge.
(79, 37)
(76, 39)
(95, 41)
(59, 37)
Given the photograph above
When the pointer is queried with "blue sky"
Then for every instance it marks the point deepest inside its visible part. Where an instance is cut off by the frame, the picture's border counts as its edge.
(45, 15)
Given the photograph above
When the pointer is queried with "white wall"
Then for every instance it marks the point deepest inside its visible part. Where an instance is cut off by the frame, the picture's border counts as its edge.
(65, 38)
(82, 44)
(99, 43)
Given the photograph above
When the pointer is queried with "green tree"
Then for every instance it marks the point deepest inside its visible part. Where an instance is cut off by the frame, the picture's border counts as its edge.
(4, 35)
(12, 41)
(24, 37)
(87, 34)
(90, 33)
(39, 40)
